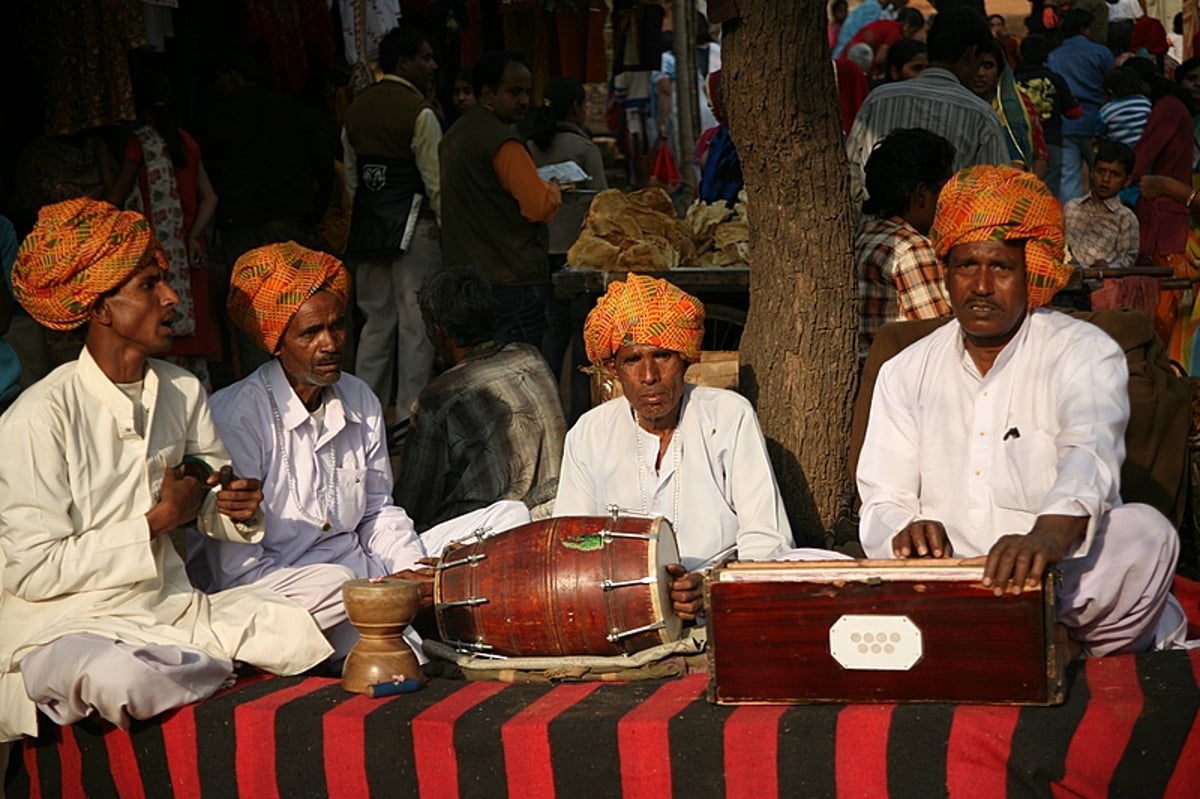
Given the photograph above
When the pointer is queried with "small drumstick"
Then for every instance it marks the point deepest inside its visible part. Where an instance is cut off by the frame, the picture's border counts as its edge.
(717, 557)
(225, 476)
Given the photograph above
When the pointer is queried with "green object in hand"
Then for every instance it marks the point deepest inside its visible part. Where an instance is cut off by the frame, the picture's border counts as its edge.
(194, 466)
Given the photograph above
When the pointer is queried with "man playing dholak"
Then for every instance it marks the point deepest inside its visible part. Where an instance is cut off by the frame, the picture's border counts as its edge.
(692, 454)
(316, 439)
(1001, 434)
(103, 458)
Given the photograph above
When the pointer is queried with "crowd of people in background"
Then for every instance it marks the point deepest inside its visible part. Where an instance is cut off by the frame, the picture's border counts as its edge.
(1091, 100)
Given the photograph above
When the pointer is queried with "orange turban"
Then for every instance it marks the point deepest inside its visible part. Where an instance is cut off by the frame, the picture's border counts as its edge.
(78, 251)
(270, 283)
(1002, 203)
(644, 310)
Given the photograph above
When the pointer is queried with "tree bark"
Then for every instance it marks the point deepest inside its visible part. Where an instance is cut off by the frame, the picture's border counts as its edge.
(798, 352)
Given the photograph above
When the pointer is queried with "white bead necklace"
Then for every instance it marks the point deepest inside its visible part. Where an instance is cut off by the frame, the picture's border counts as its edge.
(329, 501)
(677, 448)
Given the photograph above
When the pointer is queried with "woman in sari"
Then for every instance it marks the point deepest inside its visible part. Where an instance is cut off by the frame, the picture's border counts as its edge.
(994, 83)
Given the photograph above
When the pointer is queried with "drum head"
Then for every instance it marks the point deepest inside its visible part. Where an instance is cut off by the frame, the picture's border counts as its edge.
(664, 550)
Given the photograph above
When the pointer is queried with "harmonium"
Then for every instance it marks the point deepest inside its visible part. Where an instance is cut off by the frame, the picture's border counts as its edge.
(878, 631)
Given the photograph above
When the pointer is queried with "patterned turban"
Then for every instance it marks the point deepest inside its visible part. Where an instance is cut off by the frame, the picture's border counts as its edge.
(1001, 203)
(644, 310)
(270, 283)
(78, 251)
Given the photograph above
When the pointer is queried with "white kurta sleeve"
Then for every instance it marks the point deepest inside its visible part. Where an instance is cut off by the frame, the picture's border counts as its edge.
(1093, 411)
(763, 528)
(205, 442)
(576, 490)
(50, 550)
(248, 560)
(385, 531)
(888, 469)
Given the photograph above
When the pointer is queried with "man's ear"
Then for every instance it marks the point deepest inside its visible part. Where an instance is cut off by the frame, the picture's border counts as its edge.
(486, 96)
(100, 314)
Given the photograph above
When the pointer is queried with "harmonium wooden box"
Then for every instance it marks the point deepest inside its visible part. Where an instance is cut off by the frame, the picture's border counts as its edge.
(878, 631)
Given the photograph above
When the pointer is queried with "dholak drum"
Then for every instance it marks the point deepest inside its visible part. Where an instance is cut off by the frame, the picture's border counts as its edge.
(574, 585)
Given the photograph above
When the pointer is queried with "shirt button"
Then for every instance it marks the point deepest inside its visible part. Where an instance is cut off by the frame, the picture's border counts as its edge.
(985, 393)
(977, 472)
(982, 434)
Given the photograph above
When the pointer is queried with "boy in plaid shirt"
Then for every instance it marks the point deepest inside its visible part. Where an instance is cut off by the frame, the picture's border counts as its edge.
(898, 272)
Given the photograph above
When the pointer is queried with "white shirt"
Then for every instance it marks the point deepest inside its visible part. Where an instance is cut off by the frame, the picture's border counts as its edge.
(1125, 10)
(76, 481)
(340, 471)
(1042, 433)
(716, 485)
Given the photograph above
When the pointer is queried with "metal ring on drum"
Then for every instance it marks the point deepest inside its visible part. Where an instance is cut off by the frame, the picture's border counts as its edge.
(579, 585)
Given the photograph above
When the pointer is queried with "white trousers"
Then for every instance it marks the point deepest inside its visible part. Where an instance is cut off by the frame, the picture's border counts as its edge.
(84, 673)
(1117, 598)
(393, 349)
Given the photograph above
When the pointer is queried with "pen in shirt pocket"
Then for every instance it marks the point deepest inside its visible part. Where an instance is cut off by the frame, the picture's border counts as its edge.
(1013, 432)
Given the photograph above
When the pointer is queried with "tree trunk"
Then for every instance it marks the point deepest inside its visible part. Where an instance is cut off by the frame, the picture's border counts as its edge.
(798, 352)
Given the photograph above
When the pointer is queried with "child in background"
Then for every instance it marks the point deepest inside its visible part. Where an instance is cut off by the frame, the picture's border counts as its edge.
(1052, 97)
(1123, 117)
(1101, 230)
(464, 91)
(837, 15)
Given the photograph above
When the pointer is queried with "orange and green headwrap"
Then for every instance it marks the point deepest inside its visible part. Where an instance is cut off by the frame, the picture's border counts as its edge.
(78, 251)
(1002, 203)
(270, 283)
(644, 310)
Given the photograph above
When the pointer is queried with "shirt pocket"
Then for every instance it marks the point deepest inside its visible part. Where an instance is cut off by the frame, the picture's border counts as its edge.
(1025, 470)
(352, 497)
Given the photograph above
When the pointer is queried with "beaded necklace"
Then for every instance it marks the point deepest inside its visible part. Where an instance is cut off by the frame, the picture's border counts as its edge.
(676, 448)
(329, 501)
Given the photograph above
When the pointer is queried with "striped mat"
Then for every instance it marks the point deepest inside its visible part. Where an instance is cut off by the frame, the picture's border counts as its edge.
(1129, 728)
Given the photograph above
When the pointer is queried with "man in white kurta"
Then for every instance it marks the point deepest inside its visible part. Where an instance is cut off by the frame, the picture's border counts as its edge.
(715, 485)
(1001, 434)
(691, 454)
(316, 438)
(96, 612)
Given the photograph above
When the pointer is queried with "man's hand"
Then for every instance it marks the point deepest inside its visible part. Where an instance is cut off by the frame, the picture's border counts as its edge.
(687, 598)
(923, 538)
(1024, 558)
(195, 251)
(179, 501)
(423, 576)
(239, 497)
(1152, 186)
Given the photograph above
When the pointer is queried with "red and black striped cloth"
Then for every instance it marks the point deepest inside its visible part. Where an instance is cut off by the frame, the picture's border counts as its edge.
(1129, 728)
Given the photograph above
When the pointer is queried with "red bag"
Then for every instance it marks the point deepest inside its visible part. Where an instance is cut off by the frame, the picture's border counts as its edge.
(664, 172)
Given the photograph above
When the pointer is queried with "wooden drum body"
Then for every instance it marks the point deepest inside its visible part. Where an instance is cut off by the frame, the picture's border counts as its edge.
(573, 585)
(380, 610)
